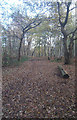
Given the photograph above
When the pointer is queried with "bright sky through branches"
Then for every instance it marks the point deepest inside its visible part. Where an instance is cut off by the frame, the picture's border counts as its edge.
(7, 7)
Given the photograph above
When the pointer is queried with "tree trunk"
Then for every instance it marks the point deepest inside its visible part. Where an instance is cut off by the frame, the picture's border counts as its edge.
(19, 51)
(44, 50)
(48, 50)
(39, 50)
(66, 53)
(9, 40)
(70, 52)
(64, 32)
(33, 52)
(28, 48)
(66, 57)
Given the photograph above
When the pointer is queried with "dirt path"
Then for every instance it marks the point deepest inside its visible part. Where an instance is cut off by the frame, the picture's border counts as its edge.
(35, 90)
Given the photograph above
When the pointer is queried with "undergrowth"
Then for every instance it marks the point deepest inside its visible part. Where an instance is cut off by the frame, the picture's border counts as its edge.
(56, 60)
(13, 61)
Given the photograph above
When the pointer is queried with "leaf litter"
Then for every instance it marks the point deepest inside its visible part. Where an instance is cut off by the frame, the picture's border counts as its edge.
(35, 90)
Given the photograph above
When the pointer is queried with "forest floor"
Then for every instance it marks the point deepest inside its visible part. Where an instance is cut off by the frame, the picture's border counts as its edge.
(35, 89)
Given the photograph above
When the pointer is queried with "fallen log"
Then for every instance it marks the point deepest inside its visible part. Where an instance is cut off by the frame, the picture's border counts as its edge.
(63, 72)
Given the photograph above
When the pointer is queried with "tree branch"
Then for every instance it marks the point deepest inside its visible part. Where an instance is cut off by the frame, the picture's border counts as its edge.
(33, 26)
(15, 36)
(67, 13)
(59, 13)
(72, 32)
(24, 31)
(73, 8)
(72, 38)
(75, 39)
(30, 23)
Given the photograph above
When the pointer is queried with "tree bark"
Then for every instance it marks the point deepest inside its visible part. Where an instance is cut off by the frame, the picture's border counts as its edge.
(28, 48)
(39, 50)
(44, 50)
(66, 52)
(19, 51)
(63, 72)
(71, 45)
